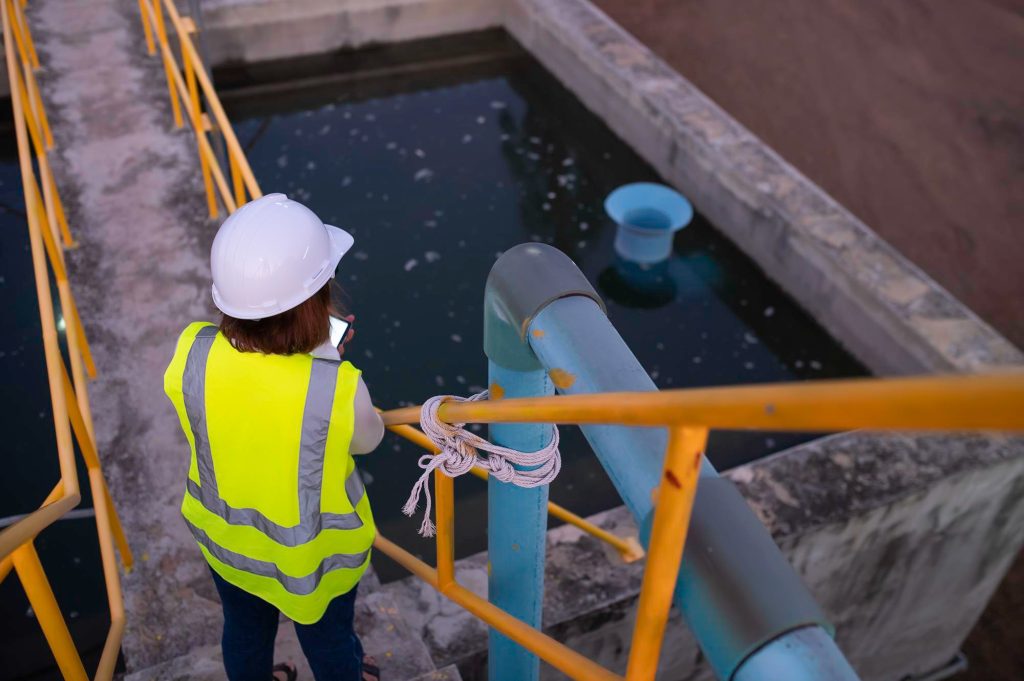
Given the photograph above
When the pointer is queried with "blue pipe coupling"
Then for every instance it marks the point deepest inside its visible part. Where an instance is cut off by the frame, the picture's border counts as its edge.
(648, 215)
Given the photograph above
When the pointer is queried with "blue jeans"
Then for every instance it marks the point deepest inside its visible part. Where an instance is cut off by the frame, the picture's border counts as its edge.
(250, 625)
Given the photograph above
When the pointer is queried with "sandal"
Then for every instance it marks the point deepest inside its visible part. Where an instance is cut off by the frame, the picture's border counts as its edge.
(289, 671)
(371, 672)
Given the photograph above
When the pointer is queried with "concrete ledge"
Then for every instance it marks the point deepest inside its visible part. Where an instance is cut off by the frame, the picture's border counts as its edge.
(239, 31)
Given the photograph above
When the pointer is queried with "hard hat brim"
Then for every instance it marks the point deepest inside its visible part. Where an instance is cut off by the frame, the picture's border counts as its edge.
(341, 242)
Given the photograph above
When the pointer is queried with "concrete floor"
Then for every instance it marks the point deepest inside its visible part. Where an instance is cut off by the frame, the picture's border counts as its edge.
(911, 114)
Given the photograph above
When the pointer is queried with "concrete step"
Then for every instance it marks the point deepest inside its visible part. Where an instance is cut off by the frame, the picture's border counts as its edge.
(400, 653)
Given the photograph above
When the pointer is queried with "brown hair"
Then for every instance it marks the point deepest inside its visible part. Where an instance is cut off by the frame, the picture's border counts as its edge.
(295, 331)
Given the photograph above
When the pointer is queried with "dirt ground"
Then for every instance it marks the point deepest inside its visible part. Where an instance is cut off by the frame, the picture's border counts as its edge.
(909, 113)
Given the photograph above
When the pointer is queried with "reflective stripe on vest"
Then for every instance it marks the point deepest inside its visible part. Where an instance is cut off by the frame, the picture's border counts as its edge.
(315, 422)
(300, 586)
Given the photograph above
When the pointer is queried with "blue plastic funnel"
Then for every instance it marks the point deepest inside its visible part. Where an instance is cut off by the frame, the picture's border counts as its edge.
(648, 215)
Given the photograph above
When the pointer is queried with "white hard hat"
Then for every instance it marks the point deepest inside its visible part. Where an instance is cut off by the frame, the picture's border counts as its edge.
(272, 254)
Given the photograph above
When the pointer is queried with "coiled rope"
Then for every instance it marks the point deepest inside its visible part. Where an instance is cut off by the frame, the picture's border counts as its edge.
(460, 451)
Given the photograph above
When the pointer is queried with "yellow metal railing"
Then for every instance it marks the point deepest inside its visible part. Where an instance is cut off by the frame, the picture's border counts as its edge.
(984, 402)
(48, 236)
(189, 83)
(935, 403)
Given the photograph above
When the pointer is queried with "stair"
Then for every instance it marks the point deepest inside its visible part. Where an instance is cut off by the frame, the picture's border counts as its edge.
(386, 636)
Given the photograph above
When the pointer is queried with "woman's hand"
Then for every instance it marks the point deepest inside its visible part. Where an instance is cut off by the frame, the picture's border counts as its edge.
(351, 319)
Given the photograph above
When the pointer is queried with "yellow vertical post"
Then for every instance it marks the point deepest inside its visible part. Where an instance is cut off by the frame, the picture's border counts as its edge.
(237, 180)
(22, 22)
(195, 114)
(127, 558)
(44, 605)
(146, 28)
(104, 526)
(161, 35)
(29, 62)
(444, 493)
(665, 549)
(76, 319)
(54, 210)
(79, 393)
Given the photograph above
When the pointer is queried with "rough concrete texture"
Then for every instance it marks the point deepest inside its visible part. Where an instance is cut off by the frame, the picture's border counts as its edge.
(240, 31)
(399, 653)
(883, 308)
(909, 113)
(902, 539)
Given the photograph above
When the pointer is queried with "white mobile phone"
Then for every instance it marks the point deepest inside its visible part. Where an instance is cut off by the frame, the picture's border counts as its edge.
(339, 328)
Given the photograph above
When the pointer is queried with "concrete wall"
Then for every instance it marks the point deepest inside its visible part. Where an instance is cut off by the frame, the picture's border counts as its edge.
(239, 31)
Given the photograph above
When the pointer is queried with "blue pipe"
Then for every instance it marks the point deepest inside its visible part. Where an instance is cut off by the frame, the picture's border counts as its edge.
(748, 610)
(517, 521)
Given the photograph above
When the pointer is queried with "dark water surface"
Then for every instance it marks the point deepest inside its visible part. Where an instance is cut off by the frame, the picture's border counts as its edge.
(440, 162)
(437, 157)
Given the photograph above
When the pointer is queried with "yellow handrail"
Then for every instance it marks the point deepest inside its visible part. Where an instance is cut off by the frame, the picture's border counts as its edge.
(184, 85)
(967, 402)
(69, 398)
(930, 403)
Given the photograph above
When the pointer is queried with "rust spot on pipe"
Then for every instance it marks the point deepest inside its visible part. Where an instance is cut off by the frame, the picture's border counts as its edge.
(538, 333)
(562, 378)
(672, 479)
(496, 392)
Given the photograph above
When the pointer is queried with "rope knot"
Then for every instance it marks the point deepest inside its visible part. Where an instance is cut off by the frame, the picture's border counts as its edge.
(460, 451)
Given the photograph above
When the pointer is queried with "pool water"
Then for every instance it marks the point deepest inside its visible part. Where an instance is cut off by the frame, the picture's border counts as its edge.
(447, 154)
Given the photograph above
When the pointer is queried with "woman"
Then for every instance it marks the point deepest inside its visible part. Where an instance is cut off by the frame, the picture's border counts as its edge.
(273, 416)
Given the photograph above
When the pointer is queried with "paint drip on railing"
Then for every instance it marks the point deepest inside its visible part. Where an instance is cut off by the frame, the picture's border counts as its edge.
(460, 451)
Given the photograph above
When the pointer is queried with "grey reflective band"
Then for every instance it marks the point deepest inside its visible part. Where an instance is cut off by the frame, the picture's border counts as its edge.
(193, 389)
(316, 419)
(300, 586)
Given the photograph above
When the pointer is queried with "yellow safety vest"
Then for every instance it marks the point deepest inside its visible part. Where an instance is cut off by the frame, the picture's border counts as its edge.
(272, 495)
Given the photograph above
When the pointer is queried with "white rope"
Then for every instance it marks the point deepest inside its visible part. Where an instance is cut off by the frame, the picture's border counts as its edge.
(460, 452)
